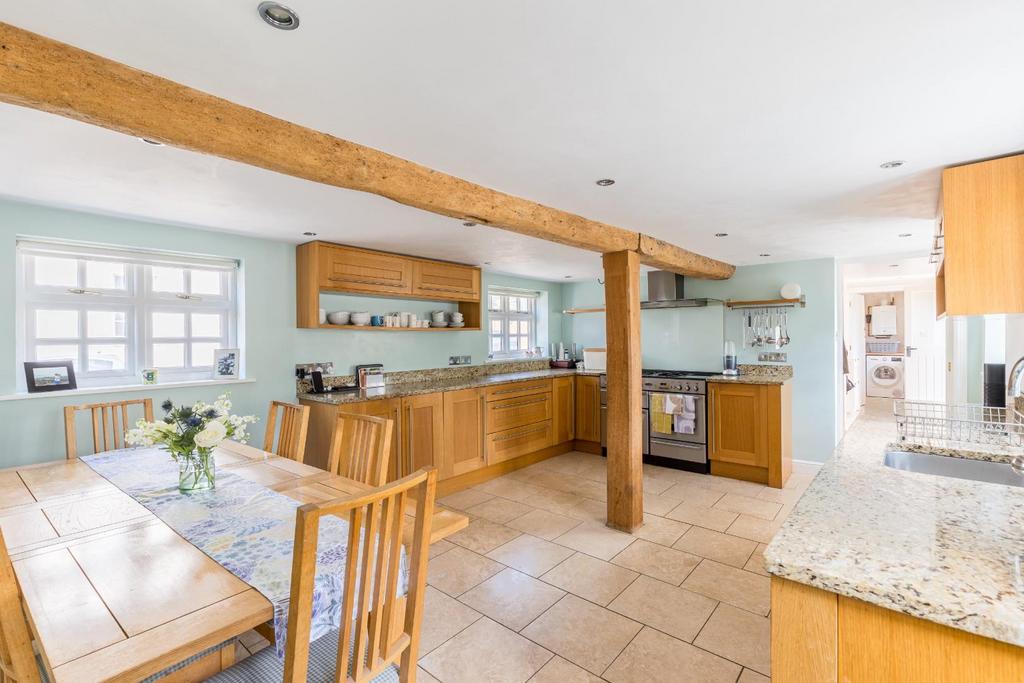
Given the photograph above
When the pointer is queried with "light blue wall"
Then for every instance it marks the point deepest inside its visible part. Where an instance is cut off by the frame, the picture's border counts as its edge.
(33, 427)
(692, 338)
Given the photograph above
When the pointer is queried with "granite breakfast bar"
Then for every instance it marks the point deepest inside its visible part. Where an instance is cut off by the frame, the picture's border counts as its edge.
(880, 574)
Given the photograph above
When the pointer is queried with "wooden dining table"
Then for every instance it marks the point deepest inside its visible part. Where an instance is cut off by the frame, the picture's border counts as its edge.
(115, 594)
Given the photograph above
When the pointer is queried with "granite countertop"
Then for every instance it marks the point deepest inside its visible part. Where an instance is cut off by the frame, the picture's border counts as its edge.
(749, 379)
(399, 390)
(946, 550)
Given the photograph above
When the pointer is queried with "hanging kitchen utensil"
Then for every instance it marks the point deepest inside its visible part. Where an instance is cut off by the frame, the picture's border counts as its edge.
(785, 328)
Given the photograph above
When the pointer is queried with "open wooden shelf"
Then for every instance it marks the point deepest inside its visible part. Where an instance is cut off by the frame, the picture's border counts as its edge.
(801, 302)
(377, 328)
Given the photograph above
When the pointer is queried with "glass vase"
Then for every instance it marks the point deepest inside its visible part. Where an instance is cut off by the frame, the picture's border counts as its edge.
(196, 472)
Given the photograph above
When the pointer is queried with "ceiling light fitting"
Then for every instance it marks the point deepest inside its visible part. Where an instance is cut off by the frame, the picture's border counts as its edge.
(894, 265)
(721, 234)
(152, 142)
(765, 254)
(892, 164)
(278, 16)
(309, 234)
(469, 224)
(906, 234)
(605, 182)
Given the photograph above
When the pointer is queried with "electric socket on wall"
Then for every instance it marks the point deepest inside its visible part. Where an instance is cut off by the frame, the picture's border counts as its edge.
(771, 357)
(460, 360)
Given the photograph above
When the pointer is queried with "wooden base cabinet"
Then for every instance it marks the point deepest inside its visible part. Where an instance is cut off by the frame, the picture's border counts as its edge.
(422, 431)
(821, 637)
(750, 429)
(464, 447)
(588, 408)
(563, 399)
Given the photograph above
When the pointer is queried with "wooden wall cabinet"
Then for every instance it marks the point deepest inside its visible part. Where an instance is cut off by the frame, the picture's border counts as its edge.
(563, 398)
(749, 430)
(347, 269)
(451, 281)
(422, 431)
(464, 447)
(983, 224)
(588, 408)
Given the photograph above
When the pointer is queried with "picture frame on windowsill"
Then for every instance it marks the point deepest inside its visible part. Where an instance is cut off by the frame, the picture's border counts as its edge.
(49, 375)
(226, 363)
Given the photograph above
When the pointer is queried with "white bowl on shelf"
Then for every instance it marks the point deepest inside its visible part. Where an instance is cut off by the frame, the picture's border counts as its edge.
(338, 317)
(360, 318)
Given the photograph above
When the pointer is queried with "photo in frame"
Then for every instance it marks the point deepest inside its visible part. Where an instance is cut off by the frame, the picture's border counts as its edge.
(49, 375)
(226, 363)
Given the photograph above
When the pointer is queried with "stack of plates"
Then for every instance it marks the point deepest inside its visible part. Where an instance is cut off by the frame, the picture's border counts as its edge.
(434, 323)
(458, 324)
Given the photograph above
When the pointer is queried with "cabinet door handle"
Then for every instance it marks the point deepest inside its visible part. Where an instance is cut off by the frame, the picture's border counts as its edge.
(506, 437)
(408, 450)
(521, 403)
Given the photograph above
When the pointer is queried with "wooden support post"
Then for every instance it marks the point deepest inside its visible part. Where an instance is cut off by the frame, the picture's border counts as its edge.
(625, 429)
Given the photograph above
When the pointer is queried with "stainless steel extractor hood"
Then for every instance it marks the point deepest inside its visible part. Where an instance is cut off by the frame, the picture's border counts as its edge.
(665, 290)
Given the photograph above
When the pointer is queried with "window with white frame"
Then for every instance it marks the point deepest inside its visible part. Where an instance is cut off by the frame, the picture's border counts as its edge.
(113, 312)
(511, 322)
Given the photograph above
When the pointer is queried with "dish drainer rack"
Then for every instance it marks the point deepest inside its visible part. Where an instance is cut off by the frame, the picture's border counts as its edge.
(958, 425)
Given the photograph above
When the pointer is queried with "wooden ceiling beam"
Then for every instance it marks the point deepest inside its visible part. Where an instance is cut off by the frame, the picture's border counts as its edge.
(54, 77)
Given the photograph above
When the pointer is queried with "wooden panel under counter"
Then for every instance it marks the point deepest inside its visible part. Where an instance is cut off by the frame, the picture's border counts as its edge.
(518, 411)
(750, 431)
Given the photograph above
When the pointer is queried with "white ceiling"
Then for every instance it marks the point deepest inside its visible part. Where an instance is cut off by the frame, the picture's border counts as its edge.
(764, 120)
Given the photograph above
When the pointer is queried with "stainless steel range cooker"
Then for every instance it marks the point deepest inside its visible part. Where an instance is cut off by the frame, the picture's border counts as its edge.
(684, 451)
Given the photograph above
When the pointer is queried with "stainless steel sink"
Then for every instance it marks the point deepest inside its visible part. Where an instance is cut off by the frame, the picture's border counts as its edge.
(961, 468)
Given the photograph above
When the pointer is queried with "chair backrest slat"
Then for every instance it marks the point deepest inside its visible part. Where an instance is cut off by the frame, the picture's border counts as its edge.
(109, 421)
(361, 448)
(17, 661)
(291, 436)
(369, 639)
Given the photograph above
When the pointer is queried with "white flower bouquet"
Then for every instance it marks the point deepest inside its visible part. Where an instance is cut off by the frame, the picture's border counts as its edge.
(189, 434)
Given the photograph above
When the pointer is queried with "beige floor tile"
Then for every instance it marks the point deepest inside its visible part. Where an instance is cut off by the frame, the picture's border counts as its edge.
(656, 485)
(483, 536)
(754, 528)
(756, 562)
(459, 569)
(694, 494)
(596, 470)
(595, 539)
(486, 651)
(530, 554)
(443, 617)
(423, 677)
(512, 598)
(594, 490)
(654, 656)
(509, 488)
(781, 495)
(749, 676)
(703, 516)
(589, 510)
(438, 547)
(499, 510)
(556, 481)
(755, 507)
(737, 587)
(656, 505)
(716, 546)
(739, 636)
(543, 524)
(462, 500)
(661, 530)
(585, 634)
(663, 563)
(672, 610)
(590, 578)
(554, 501)
(559, 670)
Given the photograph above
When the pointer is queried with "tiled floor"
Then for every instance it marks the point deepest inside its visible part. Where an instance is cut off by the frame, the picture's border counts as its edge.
(537, 588)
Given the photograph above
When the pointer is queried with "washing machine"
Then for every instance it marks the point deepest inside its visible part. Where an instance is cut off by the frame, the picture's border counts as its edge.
(884, 376)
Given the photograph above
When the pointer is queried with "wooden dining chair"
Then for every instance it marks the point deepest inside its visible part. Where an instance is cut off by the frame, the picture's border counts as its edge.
(108, 419)
(17, 661)
(291, 437)
(381, 641)
(361, 448)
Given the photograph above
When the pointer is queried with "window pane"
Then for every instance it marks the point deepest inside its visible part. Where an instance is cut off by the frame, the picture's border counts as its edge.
(202, 354)
(513, 327)
(206, 282)
(104, 275)
(56, 324)
(58, 352)
(495, 304)
(168, 355)
(513, 343)
(56, 272)
(495, 343)
(524, 327)
(495, 327)
(168, 325)
(168, 279)
(524, 343)
(105, 324)
(106, 357)
(205, 325)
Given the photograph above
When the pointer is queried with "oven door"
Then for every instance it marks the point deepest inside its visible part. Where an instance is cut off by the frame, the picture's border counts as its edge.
(699, 427)
(645, 421)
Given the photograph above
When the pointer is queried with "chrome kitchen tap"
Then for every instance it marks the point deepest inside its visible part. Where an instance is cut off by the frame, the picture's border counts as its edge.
(1015, 389)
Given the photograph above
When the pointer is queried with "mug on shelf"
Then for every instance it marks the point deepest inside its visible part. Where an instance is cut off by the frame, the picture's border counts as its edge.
(377, 320)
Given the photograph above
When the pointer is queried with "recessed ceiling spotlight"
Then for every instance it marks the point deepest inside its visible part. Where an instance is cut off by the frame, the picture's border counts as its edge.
(309, 234)
(892, 164)
(278, 16)
(605, 182)
(487, 263)
(721, 234)
(906, 234)
(765, 254)
(894, 265)
(469, 224)
(152, 142)
(568, 277)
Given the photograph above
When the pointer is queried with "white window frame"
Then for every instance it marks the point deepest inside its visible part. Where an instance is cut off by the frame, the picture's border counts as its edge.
(503, 315)
(138, 300)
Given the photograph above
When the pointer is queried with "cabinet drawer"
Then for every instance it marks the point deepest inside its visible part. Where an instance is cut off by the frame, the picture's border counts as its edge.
(512, 443)
(445, 281)
(503, 391)
(355, 270)
(518, 411)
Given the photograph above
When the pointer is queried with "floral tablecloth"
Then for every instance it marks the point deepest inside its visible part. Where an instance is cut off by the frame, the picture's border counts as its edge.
(246, 528)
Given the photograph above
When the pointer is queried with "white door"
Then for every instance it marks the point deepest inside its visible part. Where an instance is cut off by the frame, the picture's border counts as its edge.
(853, 328)
(925, 365)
